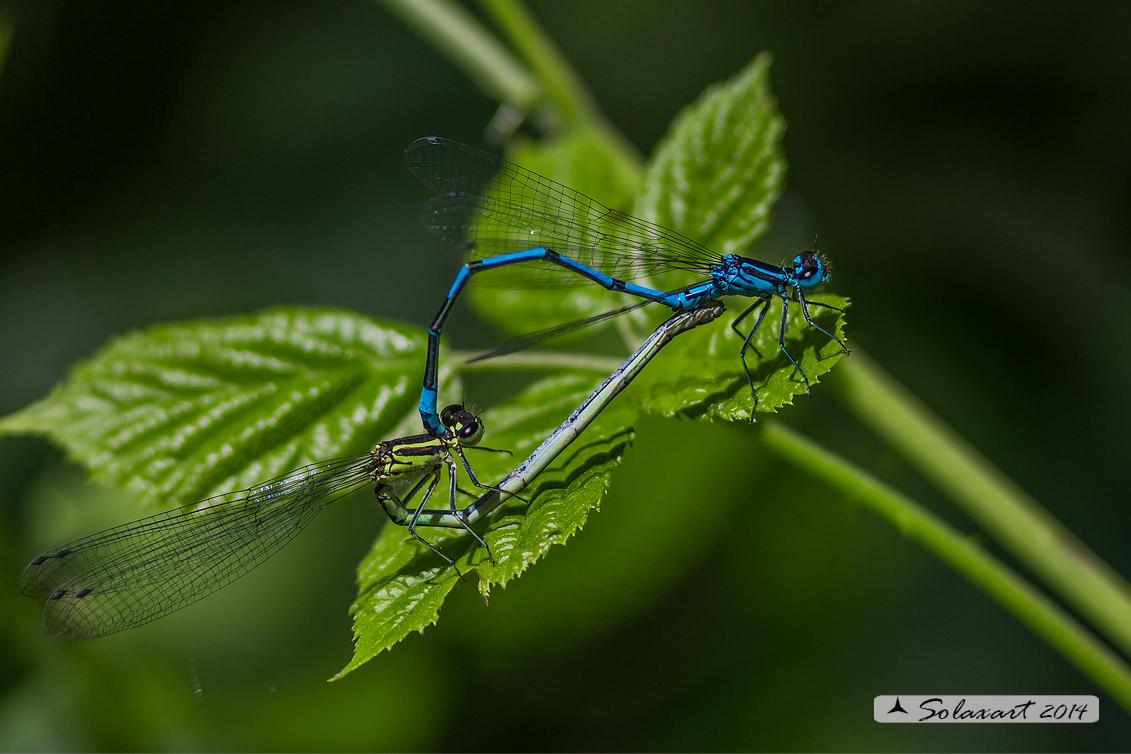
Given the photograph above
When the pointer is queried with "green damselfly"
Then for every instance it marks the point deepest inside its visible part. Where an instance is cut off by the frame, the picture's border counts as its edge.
(573, 426)
(135, 573)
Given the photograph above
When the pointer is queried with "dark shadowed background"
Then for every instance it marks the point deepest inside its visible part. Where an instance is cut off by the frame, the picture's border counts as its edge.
(966, 165)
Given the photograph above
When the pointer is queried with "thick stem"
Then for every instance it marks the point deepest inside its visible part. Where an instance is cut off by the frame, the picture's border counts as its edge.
(1048, 620)
(998, 505)
(459, 35)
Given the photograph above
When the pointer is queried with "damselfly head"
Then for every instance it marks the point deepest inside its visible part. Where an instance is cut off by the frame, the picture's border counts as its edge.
(464, 424)
(810, 269)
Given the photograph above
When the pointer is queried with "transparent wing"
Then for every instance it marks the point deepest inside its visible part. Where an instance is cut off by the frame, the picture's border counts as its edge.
(523, 342)
(138, 572)
(487, 206)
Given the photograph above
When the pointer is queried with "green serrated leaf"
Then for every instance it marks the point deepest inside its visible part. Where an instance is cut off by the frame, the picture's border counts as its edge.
(180, 412)
(579, 160)
(402, 584)
(717, 172)
(714, 177)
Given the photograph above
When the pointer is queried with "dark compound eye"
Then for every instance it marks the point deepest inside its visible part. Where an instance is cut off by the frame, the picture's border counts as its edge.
(448, 415)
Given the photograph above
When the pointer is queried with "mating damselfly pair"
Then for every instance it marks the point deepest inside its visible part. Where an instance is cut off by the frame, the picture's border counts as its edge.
(135, 573)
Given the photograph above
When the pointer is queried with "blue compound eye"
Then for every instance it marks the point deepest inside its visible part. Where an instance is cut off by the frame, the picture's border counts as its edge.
(808, 265)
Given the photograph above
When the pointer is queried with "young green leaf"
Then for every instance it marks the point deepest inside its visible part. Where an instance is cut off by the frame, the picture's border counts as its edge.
(717, 172)
(714, 177)
(181, 412)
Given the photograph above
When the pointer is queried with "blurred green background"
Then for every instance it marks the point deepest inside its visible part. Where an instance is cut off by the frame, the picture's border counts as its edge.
(967, 167)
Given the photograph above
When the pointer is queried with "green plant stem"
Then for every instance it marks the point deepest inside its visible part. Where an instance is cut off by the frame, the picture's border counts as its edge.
(1048, 620)
(456, 33)
(562, 86)
(1030, 533)
(564, 89)
(5, 40)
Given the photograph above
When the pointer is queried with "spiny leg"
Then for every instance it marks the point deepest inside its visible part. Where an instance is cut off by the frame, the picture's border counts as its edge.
(781, 341)
(416, 516)
(452, 500)
(740, 317)
(490, 450)
(765, 304)
(823, 305)
(452, 517)
(805, 312)
(471, 472)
